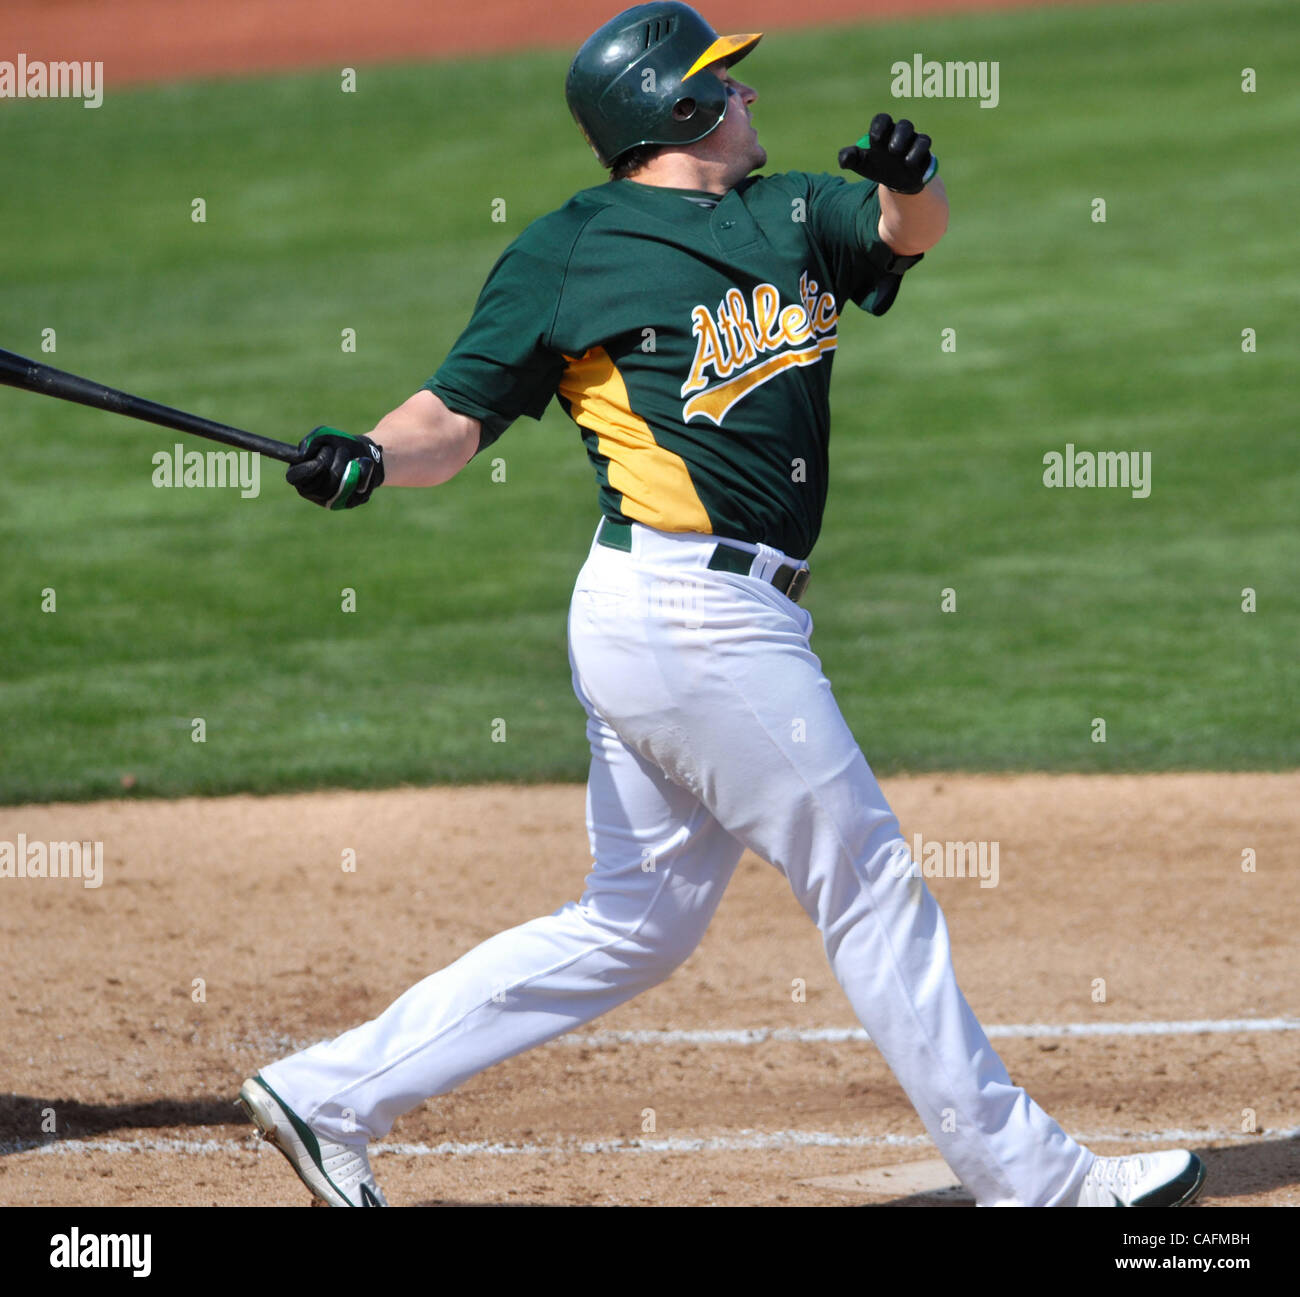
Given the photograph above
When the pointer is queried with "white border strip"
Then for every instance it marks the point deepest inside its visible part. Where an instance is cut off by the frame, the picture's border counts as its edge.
(842, 1035)
(744, 1141)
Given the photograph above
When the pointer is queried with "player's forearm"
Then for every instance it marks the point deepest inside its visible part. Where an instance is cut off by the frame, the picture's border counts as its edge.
(425, 443)
(912, 223)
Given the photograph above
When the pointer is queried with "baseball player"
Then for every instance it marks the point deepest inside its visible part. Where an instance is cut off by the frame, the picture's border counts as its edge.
(684, 314)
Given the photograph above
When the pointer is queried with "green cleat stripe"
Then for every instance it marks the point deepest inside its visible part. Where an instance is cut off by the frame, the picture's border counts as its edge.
(304, 1133)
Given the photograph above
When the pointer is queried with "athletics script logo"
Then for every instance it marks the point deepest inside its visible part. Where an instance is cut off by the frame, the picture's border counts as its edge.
(746, 341)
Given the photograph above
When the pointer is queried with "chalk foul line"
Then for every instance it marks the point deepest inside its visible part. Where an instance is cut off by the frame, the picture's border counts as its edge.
(280, 1046)
(742, 1141)
(1006, 1031)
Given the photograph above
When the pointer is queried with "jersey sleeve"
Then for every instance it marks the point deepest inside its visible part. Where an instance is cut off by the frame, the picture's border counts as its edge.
(844, 221)
(502, 365)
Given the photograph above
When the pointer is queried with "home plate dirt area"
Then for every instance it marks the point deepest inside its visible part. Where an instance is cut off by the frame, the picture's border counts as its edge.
(226, 932)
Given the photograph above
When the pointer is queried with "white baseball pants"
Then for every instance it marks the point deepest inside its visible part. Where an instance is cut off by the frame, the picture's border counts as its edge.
(712, 729)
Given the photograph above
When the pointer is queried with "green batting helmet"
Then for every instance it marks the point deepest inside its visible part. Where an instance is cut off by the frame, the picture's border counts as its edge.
(642, 79)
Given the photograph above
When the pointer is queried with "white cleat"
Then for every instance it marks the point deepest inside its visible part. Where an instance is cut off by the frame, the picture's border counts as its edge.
(338, 1175)
(1170, 1179)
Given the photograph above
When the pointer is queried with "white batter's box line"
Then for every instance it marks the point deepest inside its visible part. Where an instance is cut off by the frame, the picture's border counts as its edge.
(193, 1147)
(743, 1141)
(1008, 1031)
(846, 1035)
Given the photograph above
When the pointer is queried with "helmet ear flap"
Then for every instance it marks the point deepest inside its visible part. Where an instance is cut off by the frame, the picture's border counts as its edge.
(684, 110)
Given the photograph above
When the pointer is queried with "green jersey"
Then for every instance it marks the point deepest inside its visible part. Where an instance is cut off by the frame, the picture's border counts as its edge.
(690, 337)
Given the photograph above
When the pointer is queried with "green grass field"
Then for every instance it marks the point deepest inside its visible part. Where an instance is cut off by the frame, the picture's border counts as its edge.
(372, 211)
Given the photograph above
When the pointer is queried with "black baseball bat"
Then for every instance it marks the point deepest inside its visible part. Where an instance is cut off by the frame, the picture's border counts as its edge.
(18, 371)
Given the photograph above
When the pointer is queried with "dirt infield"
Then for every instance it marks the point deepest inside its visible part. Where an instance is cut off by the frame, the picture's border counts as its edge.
(156, 40)
(1137, 880)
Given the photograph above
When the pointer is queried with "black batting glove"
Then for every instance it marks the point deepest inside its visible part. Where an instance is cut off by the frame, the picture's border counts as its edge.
(335, 469)
(892, 154)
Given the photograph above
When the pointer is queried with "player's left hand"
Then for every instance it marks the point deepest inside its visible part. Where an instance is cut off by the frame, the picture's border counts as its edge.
(336, 469)
(892, 154)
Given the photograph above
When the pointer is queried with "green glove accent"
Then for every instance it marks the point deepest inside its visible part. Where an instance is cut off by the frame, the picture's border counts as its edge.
(336, 469)
(865, 143)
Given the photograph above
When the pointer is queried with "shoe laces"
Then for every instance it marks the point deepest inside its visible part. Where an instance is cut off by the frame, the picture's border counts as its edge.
(1117, 1170)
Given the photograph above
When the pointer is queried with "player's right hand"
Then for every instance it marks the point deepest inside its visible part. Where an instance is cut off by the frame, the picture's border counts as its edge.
(335, 469)
(892, 154)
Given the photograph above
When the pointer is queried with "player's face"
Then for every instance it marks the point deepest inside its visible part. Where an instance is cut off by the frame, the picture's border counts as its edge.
(737, 138)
